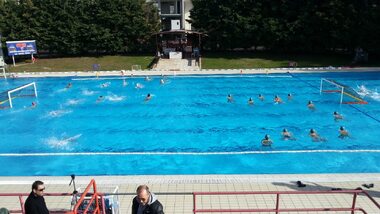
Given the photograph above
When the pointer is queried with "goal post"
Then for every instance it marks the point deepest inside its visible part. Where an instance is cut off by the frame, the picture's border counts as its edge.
(339, 88)
(27, 90)
(136, 67)
(346, 92)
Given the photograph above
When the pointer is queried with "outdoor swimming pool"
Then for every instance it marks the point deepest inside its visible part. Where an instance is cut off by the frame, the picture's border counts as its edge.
(188, 127)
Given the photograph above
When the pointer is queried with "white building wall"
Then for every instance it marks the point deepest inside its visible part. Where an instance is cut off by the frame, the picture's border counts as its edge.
(188, 7)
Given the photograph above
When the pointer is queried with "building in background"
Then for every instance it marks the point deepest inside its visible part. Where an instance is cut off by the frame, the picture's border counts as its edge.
(174, 14)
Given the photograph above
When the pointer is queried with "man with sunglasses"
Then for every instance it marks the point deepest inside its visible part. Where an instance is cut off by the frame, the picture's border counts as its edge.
(146, 202)
(35, 203)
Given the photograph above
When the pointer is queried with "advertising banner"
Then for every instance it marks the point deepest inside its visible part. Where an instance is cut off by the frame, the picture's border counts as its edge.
(21, 47)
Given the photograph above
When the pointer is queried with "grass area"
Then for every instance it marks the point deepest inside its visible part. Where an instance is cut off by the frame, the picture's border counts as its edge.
(83, 63)
(223, 60)
(266, 60)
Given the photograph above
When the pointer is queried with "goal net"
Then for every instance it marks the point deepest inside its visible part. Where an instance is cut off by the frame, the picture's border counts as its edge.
(136, 67)
(7, 97)
(347, 94)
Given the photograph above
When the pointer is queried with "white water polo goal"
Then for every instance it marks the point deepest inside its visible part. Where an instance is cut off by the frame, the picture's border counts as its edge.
(27, 90)
(347, 94)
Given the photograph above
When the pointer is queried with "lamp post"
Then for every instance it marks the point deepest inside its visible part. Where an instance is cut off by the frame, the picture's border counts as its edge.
(2, 64)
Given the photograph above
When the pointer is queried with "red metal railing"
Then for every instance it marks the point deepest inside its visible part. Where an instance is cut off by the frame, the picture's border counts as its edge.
(89, 208)
(277, 208)
(22, 202)
(94, 198)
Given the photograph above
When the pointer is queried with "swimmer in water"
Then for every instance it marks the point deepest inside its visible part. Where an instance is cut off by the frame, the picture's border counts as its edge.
(261, 97)
(34, 104)
(310, 105)
(266, 141)
(148, 97)
(343, 133)
(337, 116)
(290, 96)
(105, 85)
(125, 83)
(315, 136)
(250, 101)
(162, 81)
(286, 135)
(138, 86)
(147, 78)
(69, 85)
(230, 99)
(100, 99)
(277, 99)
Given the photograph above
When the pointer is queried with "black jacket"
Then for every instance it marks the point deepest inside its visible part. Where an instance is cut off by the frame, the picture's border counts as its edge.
(153, 208)
(35, 205)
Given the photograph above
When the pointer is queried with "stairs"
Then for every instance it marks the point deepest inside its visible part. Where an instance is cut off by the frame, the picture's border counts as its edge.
(176, 65)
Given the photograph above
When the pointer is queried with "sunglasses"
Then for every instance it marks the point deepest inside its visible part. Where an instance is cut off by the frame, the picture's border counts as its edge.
(40, 190)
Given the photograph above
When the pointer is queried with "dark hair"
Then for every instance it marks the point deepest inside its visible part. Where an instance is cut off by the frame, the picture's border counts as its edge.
(36, 184)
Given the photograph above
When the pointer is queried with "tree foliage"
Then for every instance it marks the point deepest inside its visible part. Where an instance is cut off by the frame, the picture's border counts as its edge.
(289, 25)
(81, 26)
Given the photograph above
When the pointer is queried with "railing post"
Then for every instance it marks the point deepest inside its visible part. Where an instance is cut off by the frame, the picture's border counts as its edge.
(277, 202)
(22, 204)
(194, 202)
(95, 195)
(103, 204)
(354, 203)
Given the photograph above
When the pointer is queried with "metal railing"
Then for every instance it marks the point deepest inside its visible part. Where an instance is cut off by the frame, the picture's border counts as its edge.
(95, 203)
(89, 202)
(277, 208)
(22, 202)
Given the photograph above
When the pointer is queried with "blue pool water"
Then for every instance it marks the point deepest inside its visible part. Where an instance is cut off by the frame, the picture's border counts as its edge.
(188, 127)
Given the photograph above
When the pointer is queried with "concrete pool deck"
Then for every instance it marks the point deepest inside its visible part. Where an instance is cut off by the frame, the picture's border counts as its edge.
(128, 73)
(183, 185)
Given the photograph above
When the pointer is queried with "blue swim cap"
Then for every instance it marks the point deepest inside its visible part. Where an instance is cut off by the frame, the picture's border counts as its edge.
(284, 130)
(341, 128)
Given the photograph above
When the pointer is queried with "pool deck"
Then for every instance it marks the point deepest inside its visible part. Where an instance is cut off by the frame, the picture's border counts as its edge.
(128, 73)
(184, 185)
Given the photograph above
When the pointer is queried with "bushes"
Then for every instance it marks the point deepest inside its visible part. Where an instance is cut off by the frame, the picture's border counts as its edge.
(289, 25)
(81, 27)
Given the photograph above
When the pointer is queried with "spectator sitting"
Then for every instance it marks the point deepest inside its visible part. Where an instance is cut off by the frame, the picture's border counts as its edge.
(292, 64)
